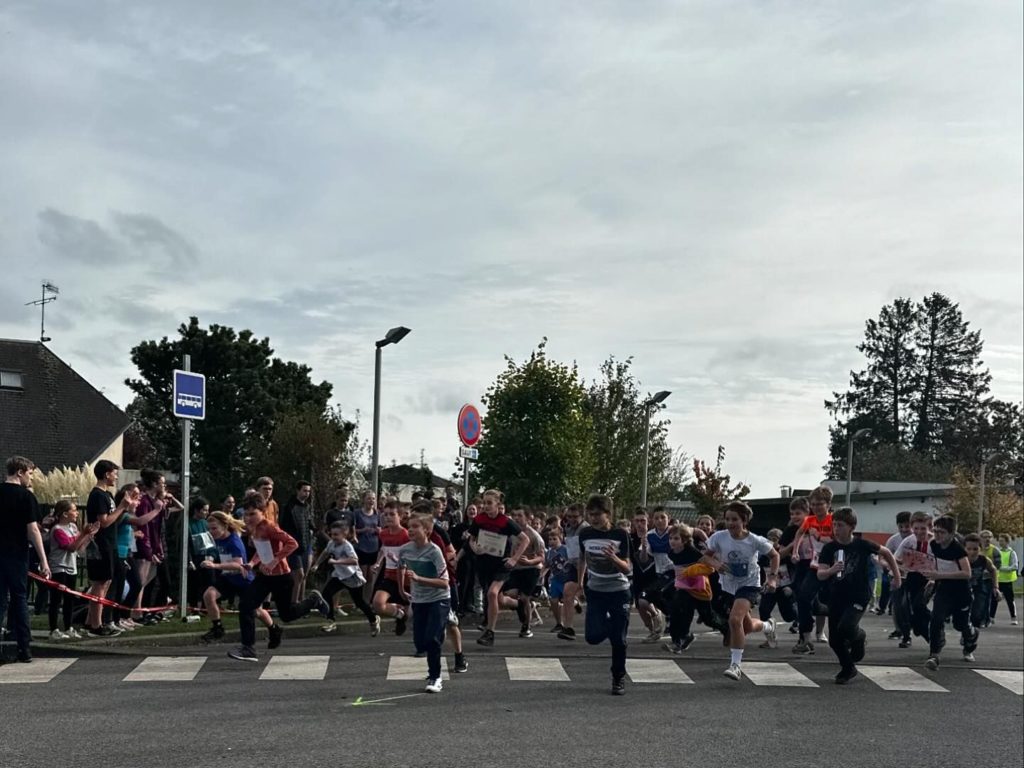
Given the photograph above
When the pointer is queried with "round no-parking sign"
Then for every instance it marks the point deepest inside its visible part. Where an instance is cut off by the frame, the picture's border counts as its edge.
(469, 425)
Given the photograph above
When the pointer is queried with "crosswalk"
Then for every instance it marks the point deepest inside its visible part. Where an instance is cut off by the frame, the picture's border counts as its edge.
(512, 669)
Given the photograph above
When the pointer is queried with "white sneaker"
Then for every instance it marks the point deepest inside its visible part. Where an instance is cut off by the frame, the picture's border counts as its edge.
(821, 637)
(433, 686)
(654, 636)
(127, 625)
(771, 639)
(1014, 622)
(74, 634)
(968, 657)
(116, 630)
(58, 635)
(330, 626)
(375, 628)
(340, 613)
(733, 672)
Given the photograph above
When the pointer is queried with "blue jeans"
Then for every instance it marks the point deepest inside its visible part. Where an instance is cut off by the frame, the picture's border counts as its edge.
(14, 581)
(608, 619)
(429, 621)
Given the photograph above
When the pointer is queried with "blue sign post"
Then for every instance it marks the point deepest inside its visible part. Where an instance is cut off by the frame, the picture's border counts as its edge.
(189, 395)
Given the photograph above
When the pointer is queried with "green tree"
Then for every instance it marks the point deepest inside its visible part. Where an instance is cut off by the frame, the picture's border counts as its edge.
(1004, 507)
(537, 443)
(711, 488)
(617, 409)
(248, 391)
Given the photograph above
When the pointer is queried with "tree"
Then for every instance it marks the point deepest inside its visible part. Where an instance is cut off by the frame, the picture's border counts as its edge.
(537, 443)
(617, 410)
(711, 488)
(318, 447)
(1004, 508)
(248, 392)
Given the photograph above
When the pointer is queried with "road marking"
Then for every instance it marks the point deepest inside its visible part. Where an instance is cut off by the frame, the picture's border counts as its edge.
(39, 671)
(1012, 679)
(361, 702)
(900, 679)
(296, 668)
(537, 670)
(656, 671)
(166, 669)
(411, 668)
(776, 674)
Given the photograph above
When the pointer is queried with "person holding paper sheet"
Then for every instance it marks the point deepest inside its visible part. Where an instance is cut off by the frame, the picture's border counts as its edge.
(914, 557)
(491, 538)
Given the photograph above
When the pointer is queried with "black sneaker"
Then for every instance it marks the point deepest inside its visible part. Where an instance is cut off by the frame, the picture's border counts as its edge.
(970, 646)
(24, 657)
(894, 634)
(579, 607)
(846, 675)
(487, 638)
(400, 623)
(618, 686)
(686, 642)
(243, 653)
(421, 655)
(216, 633)
(461, 665)
(932, 663)
(525, 631)
(556, 629)
(102, 632)
(274, 635)
(567, 633)
(320, 604)
(905, 642)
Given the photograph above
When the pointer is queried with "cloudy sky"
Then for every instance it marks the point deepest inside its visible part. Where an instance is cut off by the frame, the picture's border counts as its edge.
(724, 191)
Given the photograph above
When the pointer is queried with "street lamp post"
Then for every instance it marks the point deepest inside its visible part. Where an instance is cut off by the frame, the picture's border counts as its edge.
(393, 336)
(648, 406)
(849, 459)
(981, 487)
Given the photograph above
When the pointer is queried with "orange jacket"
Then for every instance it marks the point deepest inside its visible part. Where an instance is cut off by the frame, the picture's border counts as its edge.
(694, 573)
(281, 545)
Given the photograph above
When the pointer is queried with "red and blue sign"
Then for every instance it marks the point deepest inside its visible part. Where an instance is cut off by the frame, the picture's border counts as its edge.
(470, 425)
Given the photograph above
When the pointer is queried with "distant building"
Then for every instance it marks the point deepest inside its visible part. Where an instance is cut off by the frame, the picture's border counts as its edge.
(50, 414)
(402, 480)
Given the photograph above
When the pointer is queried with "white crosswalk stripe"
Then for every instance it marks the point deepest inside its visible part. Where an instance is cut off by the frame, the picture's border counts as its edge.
(296, 668)
(899, 679)
(1011, 680)
(656, 671)
(166, 669)
(39, 671)
(778, 675)
(411, 668)
(536, 670)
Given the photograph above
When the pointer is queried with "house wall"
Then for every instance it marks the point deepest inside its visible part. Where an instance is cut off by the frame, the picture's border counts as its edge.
(113, 452)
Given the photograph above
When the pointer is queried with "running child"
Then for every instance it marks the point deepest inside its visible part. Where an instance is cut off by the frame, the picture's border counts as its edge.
(491, 538)
(517, 591)
(423, 567)
(952, 579)
(388, 595)
(645, 577)
(983, 577)
(817, 531)
(915, 558)
(845, 563)
(572, 525)
(559, 570)
(440, 538)
(346, 574)
(734, 553)
(692, 590)
(606, 566)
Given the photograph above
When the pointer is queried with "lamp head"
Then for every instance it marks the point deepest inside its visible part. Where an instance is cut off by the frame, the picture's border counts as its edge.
(394, 336)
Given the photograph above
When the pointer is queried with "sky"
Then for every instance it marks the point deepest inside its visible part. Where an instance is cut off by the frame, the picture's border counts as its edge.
(723, 191)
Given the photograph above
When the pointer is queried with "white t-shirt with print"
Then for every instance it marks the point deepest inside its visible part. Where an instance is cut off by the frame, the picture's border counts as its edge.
(740, 558)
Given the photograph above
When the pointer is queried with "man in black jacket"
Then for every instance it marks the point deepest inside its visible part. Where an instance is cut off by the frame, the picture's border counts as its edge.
(297, 521)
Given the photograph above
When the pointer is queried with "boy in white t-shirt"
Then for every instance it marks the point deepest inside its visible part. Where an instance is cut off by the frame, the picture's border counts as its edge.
(346, 575)
(734, 553)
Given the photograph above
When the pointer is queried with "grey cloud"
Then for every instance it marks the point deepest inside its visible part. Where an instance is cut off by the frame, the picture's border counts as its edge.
(78, 240)
(155, 240)
(437, 398)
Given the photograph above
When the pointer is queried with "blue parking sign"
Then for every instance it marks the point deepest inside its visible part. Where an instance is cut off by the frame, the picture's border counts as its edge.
(189, 395)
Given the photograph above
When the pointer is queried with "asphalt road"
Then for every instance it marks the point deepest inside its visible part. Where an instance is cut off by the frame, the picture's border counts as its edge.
(225, 713)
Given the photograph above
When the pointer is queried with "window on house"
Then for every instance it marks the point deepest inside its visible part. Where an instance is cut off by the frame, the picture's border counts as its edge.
(10, 380)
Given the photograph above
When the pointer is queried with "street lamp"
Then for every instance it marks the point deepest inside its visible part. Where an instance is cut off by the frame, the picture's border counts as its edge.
(649, 405)
(981, 486)
(393, 336)
(849, 459)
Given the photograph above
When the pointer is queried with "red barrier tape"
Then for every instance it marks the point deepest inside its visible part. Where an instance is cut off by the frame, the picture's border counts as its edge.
(101, 600)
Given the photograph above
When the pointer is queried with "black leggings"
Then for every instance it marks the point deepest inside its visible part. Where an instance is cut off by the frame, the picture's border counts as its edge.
(57, 597)
(684, 605)
(1006, 590)
(334, 586)
(786, 604)
(958, 607)
(280, 588)
(845, 636)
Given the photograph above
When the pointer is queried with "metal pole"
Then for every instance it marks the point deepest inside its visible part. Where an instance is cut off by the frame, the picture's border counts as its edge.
(981, 496)
(849, 469)
(186, 445)
(647, 453)
(42, 316)
(465, 488)
(376, 424)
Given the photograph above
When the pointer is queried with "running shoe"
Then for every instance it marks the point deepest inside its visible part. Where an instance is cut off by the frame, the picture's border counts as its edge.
(375, 626)
(894, 634)
(243, 653)
(433, 686)
(618, 686)
(905, 642)
(654, 636)
(804, 648)
(58, 635)
(579, 607)
(1014, 622)
(487, 638)
(971, 645)
(687, 642)
(969, 657)
(846, 675)
(733, 672)
(330, 626)
(675, 648)
(453, 620)
(525, 631)
(215, 634)
(401, 620)
(320, 604)
(74, 634)
(274, 634)
(794, 629)
(102, 632)
(114, 629)
(24, 657)
(556, 629)
(932, 663)
(461, 665)
(567, 633)
(821, 637)
(769, 634)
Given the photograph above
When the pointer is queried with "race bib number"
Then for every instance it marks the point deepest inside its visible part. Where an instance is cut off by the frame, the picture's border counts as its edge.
(391, 558)
(662, 562)
(572, 548)
(739, 570)
(493, 544)
(264, 551)
(916, 562)
(947, 566)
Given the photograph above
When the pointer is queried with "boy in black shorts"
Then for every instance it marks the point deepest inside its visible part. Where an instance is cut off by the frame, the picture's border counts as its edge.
(518, 590)
(491, 536)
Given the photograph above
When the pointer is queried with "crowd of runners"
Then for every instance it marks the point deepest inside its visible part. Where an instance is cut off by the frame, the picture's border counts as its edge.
(429, 563)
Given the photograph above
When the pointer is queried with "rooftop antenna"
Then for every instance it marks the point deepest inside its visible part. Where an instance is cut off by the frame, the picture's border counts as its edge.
(41, 302)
